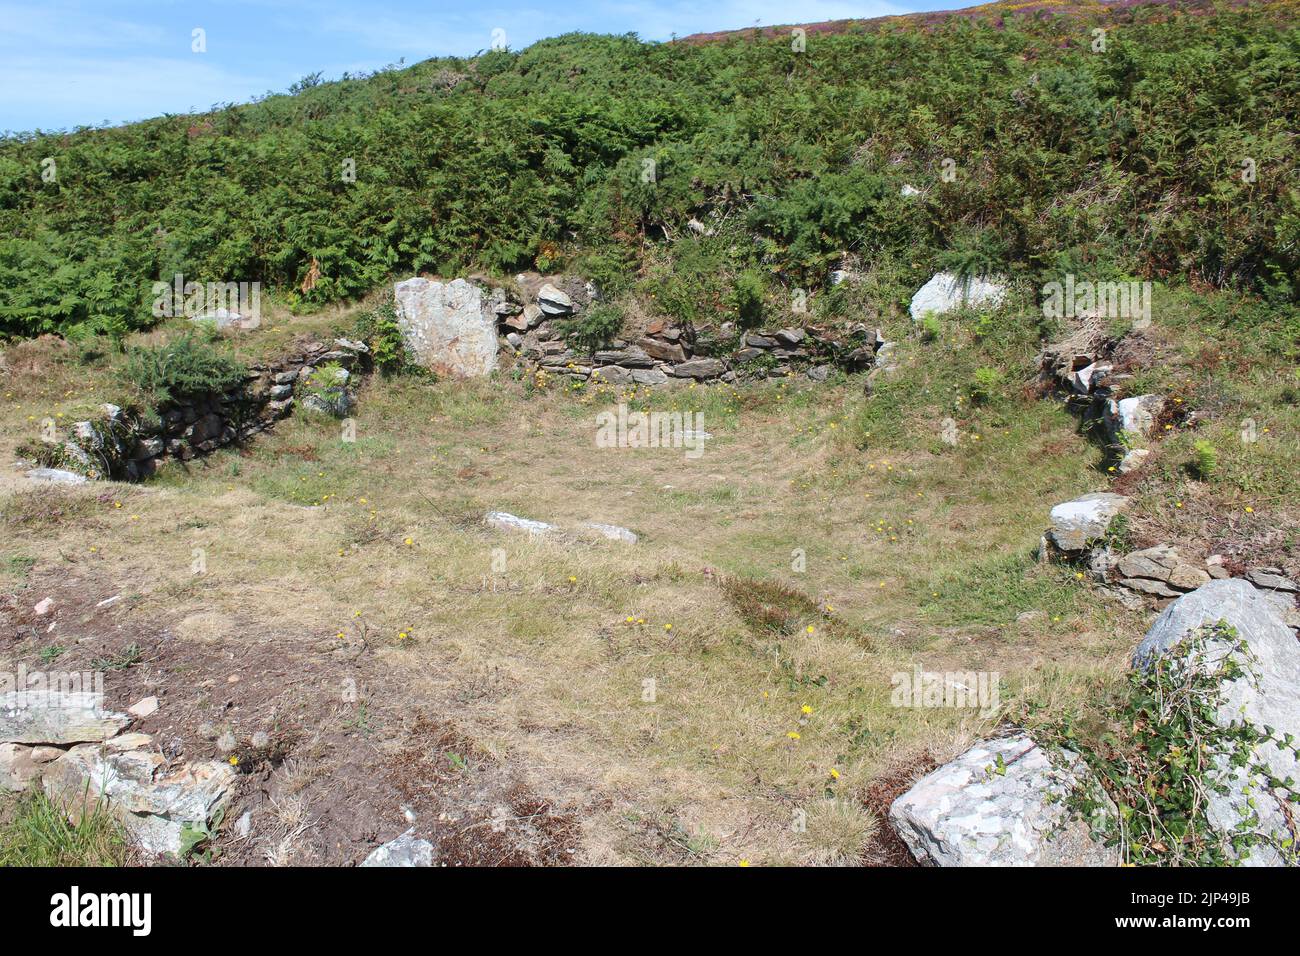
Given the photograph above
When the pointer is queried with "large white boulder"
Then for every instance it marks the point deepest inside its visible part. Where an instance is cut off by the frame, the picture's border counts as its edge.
(946, 292)
(446, 326)
(1001, 803)
(1268, 698)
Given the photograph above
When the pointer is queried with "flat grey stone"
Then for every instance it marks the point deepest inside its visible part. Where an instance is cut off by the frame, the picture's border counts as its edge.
(406, 851)
(54, 717)
(57, 476)
(1271, 579)
(553, 301)
(1149, 586)
(611, 531)
(649, 376)
(699, 368)
(612, 374)
(1158, 562)
(508, 522)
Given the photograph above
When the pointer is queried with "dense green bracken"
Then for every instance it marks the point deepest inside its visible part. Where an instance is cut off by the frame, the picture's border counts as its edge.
(592, 153)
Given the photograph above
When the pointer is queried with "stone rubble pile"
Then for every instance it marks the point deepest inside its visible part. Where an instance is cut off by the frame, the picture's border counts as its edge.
(1080, 368)
(66, 744)
(1077, 535)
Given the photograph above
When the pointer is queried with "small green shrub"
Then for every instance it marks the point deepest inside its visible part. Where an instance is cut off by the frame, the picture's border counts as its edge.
(379, 330)
(326, 379)
(931, 328)
(181, 368)
(594, 327)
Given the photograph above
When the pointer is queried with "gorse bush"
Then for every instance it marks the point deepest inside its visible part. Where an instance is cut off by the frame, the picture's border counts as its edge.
(592, 153)
(747, 297)
(181, 368)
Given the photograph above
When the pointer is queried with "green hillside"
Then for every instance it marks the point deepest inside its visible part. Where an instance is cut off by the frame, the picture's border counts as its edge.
(1126, 161)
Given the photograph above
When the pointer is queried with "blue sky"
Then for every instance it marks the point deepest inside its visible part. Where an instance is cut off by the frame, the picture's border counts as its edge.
(65, 63)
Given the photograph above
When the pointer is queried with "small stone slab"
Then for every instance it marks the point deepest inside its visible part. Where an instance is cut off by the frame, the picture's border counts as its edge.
(1085, 519)
(508, 522)
(611, 531)
(53, 717)
(56, 476)
(405, 851)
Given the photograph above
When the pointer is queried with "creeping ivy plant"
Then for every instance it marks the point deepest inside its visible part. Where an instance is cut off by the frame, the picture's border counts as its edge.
(1167, 753)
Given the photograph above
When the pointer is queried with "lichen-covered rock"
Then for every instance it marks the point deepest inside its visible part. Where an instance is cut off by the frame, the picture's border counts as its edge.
(946, 292)
(446, 326)
(1083, 520)
(1001, 803)
(1269, 698)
